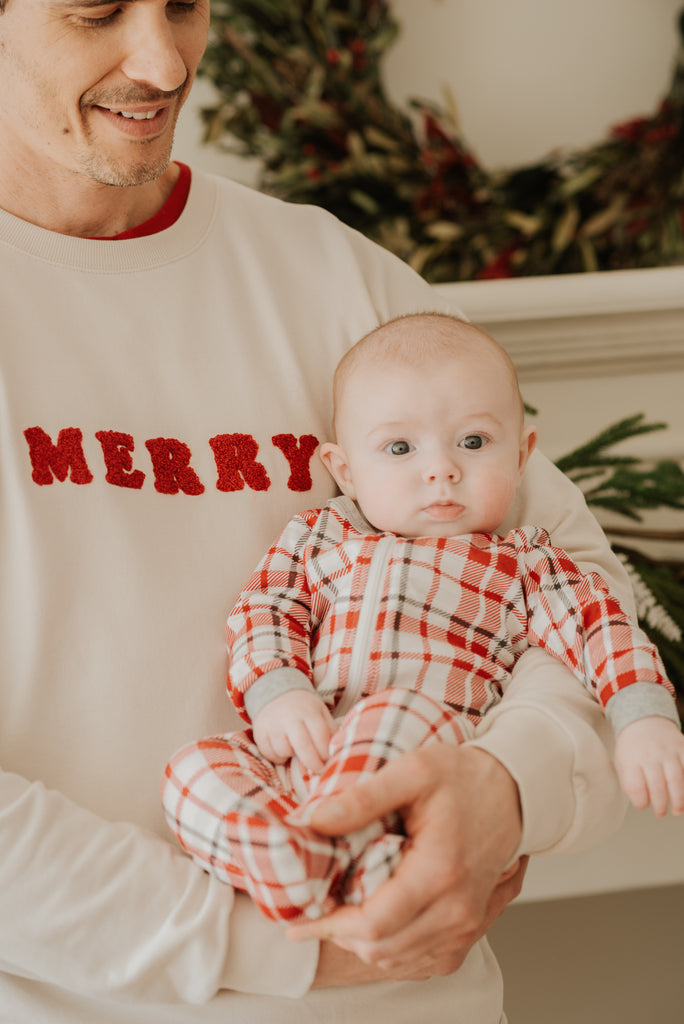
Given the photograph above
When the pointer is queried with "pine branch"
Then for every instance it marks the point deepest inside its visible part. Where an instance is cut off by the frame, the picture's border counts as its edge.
(592, 453)
(627, 490)
(622, 483)
(659, 592)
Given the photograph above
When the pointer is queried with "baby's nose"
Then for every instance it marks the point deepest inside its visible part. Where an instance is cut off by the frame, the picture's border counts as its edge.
(443, 468)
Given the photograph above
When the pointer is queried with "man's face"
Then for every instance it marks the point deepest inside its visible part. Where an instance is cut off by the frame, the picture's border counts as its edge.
(94, 88)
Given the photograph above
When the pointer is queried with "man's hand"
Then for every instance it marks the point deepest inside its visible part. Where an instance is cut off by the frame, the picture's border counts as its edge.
(297, 723)
(461, 812)
(649, 759)
(337, 966)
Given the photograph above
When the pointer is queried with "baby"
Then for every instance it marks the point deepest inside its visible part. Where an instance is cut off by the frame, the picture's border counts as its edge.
(393, 617)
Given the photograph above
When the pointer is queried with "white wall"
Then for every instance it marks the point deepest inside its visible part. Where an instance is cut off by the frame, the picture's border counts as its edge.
(530, 75)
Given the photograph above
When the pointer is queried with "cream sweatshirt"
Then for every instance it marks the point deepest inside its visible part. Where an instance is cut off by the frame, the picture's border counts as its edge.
(160, 402)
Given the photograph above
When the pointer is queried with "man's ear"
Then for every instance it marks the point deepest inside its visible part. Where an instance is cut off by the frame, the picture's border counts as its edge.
(528, 442)
(335, 461)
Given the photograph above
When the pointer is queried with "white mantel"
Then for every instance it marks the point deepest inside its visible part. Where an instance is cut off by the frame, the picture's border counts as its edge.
(582, 325)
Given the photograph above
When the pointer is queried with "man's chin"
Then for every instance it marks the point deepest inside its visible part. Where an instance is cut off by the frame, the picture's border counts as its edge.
(127, 177)
(120, 172)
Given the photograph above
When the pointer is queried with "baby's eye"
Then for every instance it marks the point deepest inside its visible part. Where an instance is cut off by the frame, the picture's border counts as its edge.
(473, 442)
(399, 448)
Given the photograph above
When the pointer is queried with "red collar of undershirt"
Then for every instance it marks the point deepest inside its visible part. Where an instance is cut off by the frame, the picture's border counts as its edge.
(169, 213)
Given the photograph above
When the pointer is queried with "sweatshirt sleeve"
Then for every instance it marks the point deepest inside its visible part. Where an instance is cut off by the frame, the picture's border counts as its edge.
(268, 631)
(110, 910)
(548, 731)
(553, 738)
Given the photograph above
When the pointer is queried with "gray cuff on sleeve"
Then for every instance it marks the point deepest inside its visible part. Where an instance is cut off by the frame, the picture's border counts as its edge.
(640, 700)
(271, 685)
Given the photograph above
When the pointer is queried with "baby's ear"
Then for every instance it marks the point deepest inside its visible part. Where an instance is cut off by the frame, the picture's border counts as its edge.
(335, 461)
(528, 442)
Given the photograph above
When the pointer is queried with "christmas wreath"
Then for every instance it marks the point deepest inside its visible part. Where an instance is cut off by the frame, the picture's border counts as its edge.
(299, 86)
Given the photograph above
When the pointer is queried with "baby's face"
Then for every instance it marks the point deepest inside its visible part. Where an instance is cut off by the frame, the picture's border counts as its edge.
(436, 450)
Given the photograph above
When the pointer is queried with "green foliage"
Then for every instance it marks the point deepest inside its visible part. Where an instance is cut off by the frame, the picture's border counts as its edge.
(300, 87)
(619, 483)
(665, 582)
(625, 485)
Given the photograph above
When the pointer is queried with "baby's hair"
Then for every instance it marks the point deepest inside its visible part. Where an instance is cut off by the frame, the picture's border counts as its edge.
(402, 340)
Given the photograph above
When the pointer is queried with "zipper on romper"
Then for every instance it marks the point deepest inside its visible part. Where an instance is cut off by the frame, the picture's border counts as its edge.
(368, 613)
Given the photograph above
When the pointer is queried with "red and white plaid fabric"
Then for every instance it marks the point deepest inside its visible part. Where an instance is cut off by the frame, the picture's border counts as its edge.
(237, 815)
(450, 616)
(419, 637)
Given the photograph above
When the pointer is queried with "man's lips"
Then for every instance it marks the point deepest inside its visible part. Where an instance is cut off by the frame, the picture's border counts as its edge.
(136, 122)
(136, 115)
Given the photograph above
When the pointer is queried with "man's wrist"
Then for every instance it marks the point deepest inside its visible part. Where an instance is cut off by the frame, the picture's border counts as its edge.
(494, 776)
(338, 967)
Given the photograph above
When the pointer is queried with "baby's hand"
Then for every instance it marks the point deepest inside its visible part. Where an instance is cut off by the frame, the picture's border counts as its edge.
(297, 723)
(649, 758)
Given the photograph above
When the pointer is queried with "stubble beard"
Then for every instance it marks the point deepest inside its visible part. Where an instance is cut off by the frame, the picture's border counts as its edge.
(128, 174)
(139, 170)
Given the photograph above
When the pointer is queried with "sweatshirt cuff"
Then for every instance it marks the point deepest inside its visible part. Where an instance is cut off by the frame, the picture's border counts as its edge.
(261, 961)
(272, 685)
(537, 753)
(640, 700)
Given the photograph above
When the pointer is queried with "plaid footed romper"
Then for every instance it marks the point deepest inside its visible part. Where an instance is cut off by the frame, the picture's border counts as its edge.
(407, 641)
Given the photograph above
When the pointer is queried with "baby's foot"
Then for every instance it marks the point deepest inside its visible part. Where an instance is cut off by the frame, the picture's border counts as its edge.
(288, 871)
(377, 862)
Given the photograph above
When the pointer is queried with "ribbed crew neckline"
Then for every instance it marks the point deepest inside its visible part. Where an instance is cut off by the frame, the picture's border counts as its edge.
(123, 255)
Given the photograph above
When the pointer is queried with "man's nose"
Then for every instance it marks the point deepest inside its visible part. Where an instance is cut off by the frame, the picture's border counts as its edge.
(154, 57)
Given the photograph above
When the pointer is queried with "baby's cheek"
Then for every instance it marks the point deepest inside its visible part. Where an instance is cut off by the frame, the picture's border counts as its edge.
(498, 499)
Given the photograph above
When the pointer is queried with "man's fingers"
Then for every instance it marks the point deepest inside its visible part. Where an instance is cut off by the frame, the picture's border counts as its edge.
(400, 900)
(393, 917)
(445, 929)
(342, 927)
(517, 876)
(389, 789)
(448, 927)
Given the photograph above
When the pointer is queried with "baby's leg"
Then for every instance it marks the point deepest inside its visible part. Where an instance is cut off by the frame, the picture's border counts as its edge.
(227, 805)
(379, 729)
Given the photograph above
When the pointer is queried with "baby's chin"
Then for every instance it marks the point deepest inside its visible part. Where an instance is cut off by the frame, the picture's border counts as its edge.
(441, 519)
(430, 528)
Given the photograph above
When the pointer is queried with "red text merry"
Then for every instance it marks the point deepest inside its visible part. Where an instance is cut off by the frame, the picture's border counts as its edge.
(235, 456)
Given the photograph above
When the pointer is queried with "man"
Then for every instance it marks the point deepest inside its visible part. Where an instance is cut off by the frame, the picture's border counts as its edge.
(168, 341)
